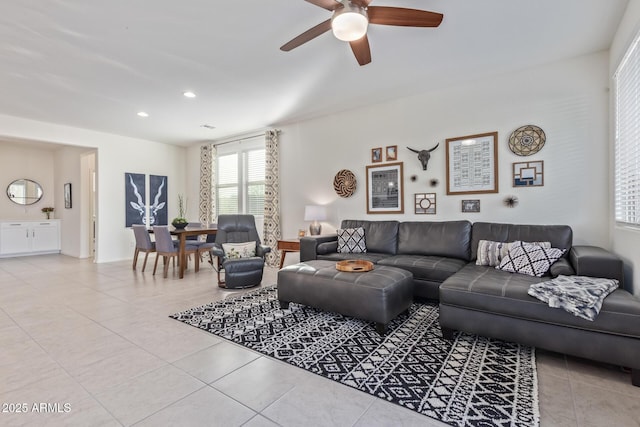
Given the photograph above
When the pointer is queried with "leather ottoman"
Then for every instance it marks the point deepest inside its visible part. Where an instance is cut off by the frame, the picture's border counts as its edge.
(377, 296)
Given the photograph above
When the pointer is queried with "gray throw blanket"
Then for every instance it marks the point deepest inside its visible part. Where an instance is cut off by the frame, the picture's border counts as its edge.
(581, 296)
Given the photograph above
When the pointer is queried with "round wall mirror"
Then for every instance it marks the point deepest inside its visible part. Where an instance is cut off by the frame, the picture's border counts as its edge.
(24, 192)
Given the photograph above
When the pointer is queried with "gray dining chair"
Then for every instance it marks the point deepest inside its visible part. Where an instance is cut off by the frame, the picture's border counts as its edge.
(168, 249)
(143, 244)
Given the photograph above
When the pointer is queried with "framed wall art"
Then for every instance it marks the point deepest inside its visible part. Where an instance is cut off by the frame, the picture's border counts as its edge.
(472, 164)
(471, 205)
(385, 190)
(528, 174)
(135, 205)
(425, 203)
(376, 155)
(392, 152)
(67, 196)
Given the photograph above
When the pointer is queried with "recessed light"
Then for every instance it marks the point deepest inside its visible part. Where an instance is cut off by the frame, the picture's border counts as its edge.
(189, 94)
(143, 114)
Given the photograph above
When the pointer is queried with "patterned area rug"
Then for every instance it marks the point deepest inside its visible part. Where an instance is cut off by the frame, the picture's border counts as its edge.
(470, 381)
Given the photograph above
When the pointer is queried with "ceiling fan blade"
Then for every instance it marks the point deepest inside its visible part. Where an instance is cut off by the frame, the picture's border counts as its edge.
(326, 4)
(401, 16)
(361, 50)
(310, 34)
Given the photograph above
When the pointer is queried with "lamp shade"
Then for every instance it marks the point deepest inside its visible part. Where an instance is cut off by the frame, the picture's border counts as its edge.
(315, 213)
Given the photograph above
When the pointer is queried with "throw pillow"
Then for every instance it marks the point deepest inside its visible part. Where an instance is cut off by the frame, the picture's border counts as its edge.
(581, 296)
(239, 250)
(351, 240)
(530, 259)
(491, 253)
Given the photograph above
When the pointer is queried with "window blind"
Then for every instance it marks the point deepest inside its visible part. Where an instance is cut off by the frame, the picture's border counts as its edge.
(627, 137)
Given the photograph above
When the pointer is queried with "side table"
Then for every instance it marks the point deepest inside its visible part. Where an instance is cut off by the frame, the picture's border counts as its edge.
(287, 245)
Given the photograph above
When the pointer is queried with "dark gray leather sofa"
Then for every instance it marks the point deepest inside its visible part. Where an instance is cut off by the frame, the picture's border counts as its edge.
(483, 300)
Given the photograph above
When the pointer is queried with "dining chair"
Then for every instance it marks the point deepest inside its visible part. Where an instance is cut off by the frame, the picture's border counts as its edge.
(204, 247)
(143, 244)
(169, 249)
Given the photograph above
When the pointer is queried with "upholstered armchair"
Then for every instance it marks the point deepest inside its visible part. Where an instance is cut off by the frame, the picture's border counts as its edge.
(242, 262)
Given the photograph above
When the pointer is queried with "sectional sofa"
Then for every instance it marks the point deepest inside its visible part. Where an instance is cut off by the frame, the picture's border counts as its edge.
(484, 300)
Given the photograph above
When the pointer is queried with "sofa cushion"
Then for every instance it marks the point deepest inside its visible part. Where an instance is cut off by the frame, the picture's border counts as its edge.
(560, 236)
(489, 290)
(429, 268)
(531, 259)
(491, 253)
(381, 236)
(351, 240)
(367, 256)
(445, 239)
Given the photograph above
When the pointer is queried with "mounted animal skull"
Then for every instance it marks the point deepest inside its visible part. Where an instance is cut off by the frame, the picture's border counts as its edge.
(424, 156)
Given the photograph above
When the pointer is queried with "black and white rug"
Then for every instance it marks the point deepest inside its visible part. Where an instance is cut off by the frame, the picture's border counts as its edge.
(470, 381)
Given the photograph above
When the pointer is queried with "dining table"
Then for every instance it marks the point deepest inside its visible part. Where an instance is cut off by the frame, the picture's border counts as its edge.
(182, 234)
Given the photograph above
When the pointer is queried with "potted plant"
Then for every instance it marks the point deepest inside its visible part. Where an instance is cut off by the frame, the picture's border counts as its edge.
(180, 221)
(47, 210)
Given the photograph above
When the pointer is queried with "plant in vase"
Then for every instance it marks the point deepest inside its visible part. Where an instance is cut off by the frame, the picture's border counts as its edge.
(47, 211)
(180, 221)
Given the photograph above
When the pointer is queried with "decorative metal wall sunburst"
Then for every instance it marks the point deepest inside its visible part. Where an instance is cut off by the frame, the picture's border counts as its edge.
(527, 140)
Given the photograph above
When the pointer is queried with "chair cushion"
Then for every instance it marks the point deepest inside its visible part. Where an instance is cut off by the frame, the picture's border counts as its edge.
(238, 265)
(239, 250)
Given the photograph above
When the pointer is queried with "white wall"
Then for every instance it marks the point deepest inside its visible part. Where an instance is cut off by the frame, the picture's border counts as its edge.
(568, 100)
(16, 162)
(115, 156)
(625, 240)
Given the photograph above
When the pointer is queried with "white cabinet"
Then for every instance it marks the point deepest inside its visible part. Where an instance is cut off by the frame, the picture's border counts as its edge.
(29, 237)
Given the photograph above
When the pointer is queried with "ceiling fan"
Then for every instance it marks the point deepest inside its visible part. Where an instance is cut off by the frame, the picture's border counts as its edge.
(351, 18)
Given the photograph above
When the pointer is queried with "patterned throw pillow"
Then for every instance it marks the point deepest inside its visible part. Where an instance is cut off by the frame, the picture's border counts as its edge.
(491, 253)
(239, 250)
(351, 240)
(530, 259)
(581, 296)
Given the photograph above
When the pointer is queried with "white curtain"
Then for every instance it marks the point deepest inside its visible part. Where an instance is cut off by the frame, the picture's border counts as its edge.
(272, 197)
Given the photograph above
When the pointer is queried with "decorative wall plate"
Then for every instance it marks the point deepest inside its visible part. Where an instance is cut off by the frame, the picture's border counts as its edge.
(345, 183)
(527, 140)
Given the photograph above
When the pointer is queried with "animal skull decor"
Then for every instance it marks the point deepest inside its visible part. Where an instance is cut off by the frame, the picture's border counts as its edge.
(153, 209)
(424, 155)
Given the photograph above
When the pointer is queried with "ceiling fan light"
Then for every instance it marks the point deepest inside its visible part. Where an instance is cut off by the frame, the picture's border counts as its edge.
(349, 23)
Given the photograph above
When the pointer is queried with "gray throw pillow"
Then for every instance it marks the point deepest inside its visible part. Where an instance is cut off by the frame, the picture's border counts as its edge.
(351, 240)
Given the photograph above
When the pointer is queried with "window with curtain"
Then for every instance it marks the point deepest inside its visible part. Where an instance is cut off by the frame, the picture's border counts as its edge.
(627, 137)
(241, 177)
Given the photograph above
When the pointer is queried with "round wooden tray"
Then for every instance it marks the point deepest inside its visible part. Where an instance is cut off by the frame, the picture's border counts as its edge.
(354, 266)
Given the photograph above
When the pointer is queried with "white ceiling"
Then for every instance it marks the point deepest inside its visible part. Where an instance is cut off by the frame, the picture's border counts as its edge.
(94, 64)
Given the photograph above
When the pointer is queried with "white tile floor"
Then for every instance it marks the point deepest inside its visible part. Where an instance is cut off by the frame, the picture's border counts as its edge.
(96, 338)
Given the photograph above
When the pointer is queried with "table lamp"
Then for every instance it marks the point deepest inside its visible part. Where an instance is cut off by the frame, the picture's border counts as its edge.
(315, 213)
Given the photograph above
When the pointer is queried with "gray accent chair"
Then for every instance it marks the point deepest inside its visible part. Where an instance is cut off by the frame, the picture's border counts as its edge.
(239, 272)
(143, 244)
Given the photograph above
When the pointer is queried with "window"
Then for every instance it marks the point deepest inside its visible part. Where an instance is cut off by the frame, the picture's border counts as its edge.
(627, 137)
(241, 177)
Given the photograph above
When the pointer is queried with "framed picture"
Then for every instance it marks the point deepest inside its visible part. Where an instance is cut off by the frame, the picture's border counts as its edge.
(392, 152)
(528, 174)
(471, 206)
(67, 195)
(425, 203)
(376, 155)
(472, 164)
(385, 190)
